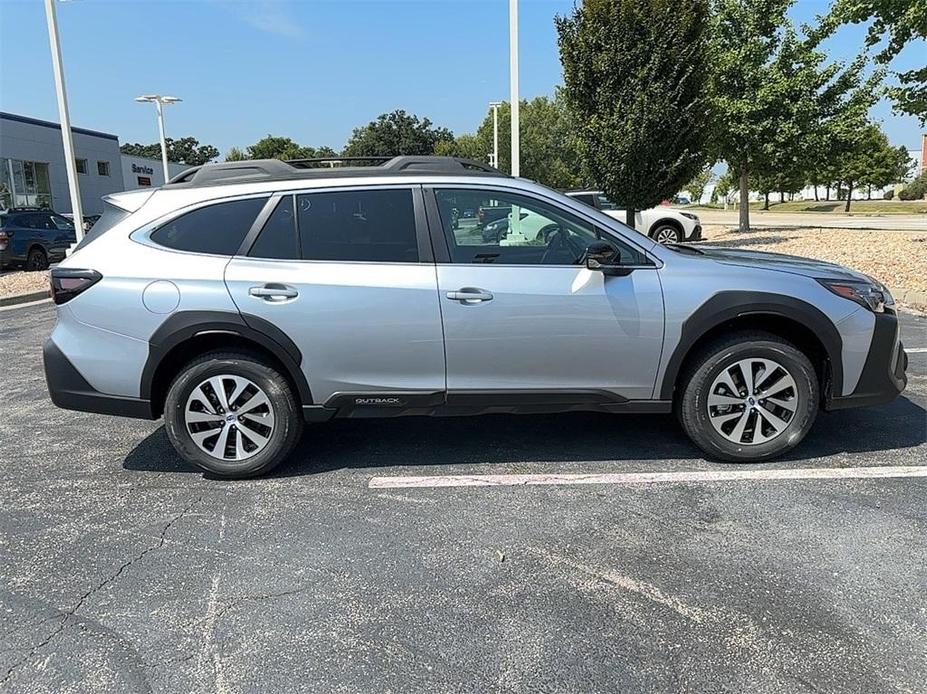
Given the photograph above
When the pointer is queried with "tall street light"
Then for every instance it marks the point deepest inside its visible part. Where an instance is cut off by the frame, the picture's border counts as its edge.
(159, 102)
(494, 105)
(513, 81)
(70, 161)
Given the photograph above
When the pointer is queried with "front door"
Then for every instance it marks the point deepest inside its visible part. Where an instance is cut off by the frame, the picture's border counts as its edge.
(342, 273)
(521, 316)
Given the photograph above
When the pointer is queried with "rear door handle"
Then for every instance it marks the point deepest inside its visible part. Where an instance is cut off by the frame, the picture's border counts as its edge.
(273, 292)
(470, 295)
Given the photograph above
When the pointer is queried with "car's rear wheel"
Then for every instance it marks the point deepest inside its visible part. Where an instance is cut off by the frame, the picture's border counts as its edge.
(36, 260)
(666, 233)
(232, 415)
(750, 397)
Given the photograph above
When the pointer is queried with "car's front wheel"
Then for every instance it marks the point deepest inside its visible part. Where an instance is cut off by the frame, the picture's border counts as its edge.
(749, 397)
(666, 233)
(232, 415)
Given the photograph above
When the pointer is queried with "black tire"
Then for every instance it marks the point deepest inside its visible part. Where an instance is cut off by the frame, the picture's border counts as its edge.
(36, 261)
(692, 405)
(666, 233)
(288, 424)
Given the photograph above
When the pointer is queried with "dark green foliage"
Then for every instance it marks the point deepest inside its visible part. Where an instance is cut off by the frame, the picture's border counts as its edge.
(635, 78)
(186, 150)
(396, 133)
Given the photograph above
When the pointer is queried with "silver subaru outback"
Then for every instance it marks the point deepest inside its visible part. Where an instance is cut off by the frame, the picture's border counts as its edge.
(242, 300)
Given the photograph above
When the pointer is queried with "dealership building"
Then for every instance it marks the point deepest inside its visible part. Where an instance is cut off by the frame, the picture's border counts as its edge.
(32, 170)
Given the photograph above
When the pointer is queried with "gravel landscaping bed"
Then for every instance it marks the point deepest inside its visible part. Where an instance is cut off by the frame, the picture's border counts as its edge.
(15, 283)
(896, 258)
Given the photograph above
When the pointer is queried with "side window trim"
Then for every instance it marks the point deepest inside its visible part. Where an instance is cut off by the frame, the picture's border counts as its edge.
(260, 221)
(442, 248)
(423, 242)
(143, 234)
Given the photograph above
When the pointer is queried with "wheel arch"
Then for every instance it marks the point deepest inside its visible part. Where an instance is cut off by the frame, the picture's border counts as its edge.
(188, 334)
(793, 319)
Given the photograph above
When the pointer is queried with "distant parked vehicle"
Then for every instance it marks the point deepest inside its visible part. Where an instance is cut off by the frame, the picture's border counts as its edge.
(681, 200)
(33, 238)
(662, 224)
(533, 226)
(89, 219)
(487, 214)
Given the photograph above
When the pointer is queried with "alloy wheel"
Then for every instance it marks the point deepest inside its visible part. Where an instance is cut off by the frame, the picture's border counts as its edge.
(752, 401)
(666, 235)
(229, 418)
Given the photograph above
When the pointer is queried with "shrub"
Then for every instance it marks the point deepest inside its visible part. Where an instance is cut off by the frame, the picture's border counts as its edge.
(889, 194)
(916, 189)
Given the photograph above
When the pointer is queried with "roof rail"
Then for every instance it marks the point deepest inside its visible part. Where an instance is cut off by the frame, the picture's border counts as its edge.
(254, 170)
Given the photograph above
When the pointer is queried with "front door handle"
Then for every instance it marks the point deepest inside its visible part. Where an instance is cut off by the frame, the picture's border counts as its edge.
(273, 292)
(470, 295)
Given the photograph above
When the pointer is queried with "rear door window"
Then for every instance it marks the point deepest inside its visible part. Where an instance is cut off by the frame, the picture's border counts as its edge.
(218, 229)
(358, 225)
(278, 239)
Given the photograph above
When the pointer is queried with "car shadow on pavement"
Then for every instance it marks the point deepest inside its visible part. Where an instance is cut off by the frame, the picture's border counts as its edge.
(567, 438)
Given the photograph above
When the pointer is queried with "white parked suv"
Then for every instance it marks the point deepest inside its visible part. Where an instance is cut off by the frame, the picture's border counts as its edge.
(663, 224)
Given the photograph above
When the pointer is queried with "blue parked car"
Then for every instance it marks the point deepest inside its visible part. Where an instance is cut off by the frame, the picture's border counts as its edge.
(32, 238)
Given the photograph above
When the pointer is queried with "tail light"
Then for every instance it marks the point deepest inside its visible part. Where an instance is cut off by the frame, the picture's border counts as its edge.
(66, 283)
(4, 240)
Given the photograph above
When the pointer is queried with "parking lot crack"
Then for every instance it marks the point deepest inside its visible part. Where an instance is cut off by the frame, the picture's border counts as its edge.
(68, 615)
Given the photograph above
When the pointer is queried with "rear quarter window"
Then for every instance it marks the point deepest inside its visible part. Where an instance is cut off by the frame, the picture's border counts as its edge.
(218, 229)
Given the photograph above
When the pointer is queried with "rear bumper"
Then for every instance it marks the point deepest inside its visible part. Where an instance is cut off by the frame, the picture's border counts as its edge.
(70, 391)
(884, 375)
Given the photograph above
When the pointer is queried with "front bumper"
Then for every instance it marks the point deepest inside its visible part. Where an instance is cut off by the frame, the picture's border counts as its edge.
(884, 373)
(696, 234)
(70, 391)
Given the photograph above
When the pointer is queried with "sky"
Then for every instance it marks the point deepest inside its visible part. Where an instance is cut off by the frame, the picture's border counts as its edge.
(311, 70)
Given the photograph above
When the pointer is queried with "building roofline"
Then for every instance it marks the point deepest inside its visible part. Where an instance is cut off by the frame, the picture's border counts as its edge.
(49, 124)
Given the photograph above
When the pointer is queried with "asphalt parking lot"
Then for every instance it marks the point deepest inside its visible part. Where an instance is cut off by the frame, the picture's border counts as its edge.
(123, 570)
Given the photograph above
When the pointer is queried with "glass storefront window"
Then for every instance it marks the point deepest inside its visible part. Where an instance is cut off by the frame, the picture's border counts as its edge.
(24, 184)
(6, 184)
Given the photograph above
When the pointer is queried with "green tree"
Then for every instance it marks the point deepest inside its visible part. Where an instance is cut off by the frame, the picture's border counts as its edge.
(549, 151)
(635, 75)
(777, 97)
(698, 183)
(871, 161)
(901, 22)
(275, 147)
(396, 133)
(916, 189)
(186, 150)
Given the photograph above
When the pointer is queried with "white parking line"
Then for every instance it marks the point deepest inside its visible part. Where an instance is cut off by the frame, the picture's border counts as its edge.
(630, 478)
(915, 350)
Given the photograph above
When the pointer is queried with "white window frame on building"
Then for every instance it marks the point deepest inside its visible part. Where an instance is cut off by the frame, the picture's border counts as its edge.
(24, 184)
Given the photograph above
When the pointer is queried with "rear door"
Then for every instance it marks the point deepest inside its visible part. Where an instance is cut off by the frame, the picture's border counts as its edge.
(349, 276)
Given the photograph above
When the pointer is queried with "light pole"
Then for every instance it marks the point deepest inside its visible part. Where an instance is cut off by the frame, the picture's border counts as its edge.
(159, 102)
(494, 105)
(70, 161)
(513, 81)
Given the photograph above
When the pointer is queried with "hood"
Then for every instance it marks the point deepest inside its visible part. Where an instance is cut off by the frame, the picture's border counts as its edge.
(779, 261)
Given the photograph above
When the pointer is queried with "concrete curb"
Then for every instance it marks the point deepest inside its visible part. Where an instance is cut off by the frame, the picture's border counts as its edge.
(23, 298)
(911, 298)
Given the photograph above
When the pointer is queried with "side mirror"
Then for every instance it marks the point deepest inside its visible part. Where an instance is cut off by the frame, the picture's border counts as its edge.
(604, 258)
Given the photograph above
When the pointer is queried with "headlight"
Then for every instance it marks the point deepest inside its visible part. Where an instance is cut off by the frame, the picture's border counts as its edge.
(872, 295)
(691, 216)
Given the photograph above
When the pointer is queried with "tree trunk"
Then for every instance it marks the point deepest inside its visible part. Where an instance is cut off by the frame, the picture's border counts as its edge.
(869, 192)
(816, 192)
(849, 195)
(766, 201)
(629, 217)
(781, 196)
(827, 192)
(744, 219)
